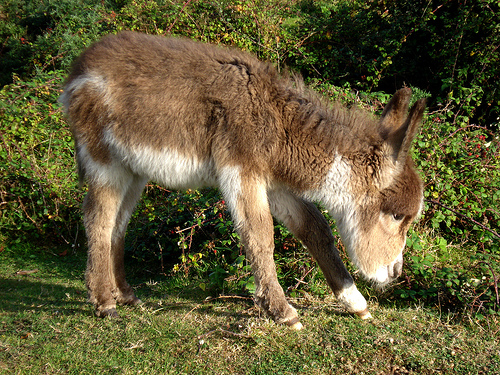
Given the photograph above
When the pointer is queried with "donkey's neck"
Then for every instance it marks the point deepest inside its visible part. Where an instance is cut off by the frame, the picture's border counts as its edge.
(335, 193)
(320, 140)
(334, 190)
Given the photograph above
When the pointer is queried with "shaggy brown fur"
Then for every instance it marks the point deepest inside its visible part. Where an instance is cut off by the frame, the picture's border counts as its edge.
(188, 114)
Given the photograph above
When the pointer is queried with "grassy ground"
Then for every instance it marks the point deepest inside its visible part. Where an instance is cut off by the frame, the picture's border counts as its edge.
(46, 326)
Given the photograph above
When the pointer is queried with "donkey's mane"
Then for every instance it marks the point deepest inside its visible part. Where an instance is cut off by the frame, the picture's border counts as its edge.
(346, 129)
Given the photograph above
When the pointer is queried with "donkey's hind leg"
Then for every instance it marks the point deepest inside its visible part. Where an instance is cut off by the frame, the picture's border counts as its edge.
(100, 210)
(122, 291)
(309, 225)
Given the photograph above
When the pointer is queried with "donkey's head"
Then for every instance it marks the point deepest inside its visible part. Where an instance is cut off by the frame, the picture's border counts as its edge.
(386, 192)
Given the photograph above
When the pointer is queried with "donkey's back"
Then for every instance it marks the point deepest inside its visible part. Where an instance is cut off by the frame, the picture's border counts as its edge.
(165, 105)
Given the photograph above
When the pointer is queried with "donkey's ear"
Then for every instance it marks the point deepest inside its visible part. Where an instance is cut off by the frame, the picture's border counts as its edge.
(397, 133)
(394, 112)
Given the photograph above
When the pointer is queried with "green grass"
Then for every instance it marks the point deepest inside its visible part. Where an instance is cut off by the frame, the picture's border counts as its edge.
(46, 326)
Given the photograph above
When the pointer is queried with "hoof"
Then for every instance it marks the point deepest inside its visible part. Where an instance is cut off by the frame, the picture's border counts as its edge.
(130, 300)
(365, 314)
(294, 324)
(111, 312)
(136, 302)
(133, 302)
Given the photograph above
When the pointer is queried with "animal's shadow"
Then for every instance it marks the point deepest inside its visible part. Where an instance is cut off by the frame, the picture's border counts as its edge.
(45, 291)
(25, 293)
(32, 292)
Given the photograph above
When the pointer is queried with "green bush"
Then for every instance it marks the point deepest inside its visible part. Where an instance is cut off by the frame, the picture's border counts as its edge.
(461, 165)
(46, 36)
(38, 180)
(449, 49)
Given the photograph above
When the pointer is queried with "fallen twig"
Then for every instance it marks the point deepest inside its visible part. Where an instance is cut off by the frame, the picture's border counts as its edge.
(26, 272)
(209, 299)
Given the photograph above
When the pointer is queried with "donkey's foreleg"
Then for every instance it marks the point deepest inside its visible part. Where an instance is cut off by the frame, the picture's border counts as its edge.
(122, 291)
(307, 223)
(100, 210)
(251, 214)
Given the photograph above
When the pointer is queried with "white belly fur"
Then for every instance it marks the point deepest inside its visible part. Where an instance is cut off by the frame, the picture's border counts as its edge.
(166, 167)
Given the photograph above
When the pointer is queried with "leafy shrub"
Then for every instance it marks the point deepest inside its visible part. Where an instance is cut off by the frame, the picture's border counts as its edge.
(45, 36)
(449, 49)
(37, 170)
(454, 278)
(461, 164)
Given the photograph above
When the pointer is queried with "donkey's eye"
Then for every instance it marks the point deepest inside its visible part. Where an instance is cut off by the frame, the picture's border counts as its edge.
(398, 217)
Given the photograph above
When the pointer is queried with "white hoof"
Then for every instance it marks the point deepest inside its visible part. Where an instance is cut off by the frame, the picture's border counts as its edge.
(297, 326)
(294, 324)
(353, 300)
